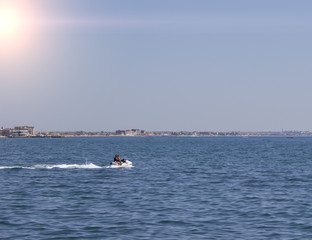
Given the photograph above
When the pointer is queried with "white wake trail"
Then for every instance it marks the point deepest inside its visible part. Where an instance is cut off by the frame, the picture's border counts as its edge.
(47, 166)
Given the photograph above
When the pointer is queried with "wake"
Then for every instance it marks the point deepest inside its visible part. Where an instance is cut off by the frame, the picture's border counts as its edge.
(63, 166)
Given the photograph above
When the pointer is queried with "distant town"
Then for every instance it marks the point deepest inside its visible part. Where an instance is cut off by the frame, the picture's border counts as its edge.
(29, 132)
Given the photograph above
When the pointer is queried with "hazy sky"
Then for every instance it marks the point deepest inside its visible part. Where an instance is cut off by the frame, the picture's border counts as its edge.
(157, 65)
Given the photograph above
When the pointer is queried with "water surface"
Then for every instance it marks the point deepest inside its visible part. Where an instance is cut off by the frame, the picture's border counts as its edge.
(179, 188)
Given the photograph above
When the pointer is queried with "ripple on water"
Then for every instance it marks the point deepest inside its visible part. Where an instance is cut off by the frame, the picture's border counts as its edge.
(180, 188)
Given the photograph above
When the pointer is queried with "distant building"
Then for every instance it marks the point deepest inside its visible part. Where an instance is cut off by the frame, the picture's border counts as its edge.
(6, 132)
(19, 133)
(23, 131)
(130, 132)
(137, 131)
(120, 132)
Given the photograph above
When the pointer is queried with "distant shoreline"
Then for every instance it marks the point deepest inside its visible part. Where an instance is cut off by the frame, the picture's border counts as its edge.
(157, 136)
(29, 132)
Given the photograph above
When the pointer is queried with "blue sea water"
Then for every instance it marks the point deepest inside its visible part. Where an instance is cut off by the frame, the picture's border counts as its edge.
(179, 188)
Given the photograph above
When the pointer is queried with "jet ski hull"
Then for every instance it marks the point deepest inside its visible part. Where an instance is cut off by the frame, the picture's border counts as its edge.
(127, 163)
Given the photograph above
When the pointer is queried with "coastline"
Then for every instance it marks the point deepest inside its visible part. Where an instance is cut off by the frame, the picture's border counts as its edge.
(169, 136)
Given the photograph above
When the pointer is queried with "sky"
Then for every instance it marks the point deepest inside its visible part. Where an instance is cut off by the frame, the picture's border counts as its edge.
(202, 65)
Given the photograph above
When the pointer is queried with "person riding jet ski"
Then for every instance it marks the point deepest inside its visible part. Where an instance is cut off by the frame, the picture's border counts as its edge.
(119, 160)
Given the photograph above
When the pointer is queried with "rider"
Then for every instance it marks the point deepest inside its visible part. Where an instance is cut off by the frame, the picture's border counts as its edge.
(119, 160)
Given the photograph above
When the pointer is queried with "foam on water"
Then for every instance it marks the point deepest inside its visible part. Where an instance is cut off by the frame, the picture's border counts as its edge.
(84, 166)
(120, 166)
(65, 166)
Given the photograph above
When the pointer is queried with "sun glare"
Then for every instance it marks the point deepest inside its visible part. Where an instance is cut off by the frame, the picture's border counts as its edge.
(17, 28)
(9, 23)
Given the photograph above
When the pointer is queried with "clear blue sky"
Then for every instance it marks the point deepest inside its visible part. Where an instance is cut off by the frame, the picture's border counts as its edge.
(162, 65)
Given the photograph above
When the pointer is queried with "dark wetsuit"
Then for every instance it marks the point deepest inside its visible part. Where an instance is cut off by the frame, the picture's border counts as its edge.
(118, 159)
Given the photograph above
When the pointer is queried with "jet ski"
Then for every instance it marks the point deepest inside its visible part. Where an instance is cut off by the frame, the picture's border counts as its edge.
(124, 163)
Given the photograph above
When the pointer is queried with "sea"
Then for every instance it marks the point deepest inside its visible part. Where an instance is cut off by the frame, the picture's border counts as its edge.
(178, 188)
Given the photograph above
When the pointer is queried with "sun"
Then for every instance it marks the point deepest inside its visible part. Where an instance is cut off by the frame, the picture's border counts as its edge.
(17, 27)
(10, 23)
